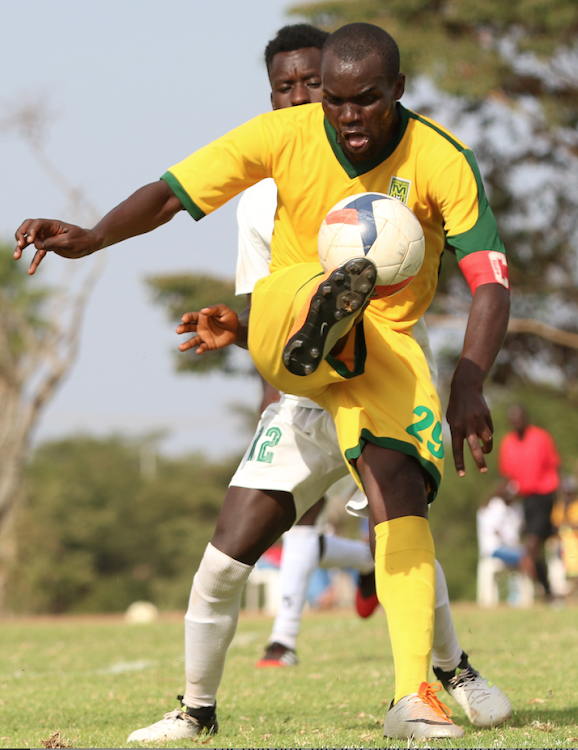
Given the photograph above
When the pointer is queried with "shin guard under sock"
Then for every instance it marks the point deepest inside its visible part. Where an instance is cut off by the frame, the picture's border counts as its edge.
(298, 563)
(210, 623)
(446, 652)
(405, 580)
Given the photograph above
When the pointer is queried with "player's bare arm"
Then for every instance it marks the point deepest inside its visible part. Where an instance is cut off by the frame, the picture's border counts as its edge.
(468, 414)
(146, 209)
(214, 327)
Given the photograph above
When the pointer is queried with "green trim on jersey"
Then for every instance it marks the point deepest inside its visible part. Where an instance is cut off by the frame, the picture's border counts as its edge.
(401, 447)
(356, 170)
(359, 357)
(468, 242)
(188, 203)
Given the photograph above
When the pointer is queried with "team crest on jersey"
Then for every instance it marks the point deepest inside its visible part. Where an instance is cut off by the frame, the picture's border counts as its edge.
(399, 189)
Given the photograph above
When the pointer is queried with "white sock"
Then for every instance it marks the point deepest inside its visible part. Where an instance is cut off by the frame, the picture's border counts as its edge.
(339, 552)
(298, 562)
(446, 652)
(210, 623)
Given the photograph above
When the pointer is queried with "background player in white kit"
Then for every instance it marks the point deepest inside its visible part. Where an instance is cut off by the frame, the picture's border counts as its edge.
(295, 447)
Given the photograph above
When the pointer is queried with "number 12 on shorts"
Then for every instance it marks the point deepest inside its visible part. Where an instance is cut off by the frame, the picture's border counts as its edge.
(265, 455)
(435, 445)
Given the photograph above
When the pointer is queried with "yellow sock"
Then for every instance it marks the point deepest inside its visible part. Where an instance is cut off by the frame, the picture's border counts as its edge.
(405, 582)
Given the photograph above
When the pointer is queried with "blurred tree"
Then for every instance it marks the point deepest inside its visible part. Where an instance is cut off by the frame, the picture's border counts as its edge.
(39, 330)
(96, 532)
(507, 74)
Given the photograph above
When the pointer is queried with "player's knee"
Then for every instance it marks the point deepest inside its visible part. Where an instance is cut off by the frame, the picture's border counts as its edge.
(251, 521)
(395, 483)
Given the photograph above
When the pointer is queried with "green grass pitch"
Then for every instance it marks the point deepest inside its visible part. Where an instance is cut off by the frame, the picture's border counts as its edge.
(97, 679)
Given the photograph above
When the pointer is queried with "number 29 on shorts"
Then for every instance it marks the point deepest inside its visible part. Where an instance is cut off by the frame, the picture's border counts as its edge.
(435, 443)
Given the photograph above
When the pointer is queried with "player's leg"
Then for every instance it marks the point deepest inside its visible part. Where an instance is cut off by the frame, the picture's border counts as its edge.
(305, 549)
(446, 650)
(537, 513)
(366, 601)
(249, 522)
(298, 563)
(325, 311)
(396, 488)
(283, 299)
(339, 552)
(305, 461)
(397, 497)
(484, 703)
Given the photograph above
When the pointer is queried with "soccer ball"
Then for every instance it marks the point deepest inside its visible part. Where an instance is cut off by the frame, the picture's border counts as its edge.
(375, 226)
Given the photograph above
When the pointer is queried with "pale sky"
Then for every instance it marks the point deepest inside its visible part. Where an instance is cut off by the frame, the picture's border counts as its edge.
(137, 85)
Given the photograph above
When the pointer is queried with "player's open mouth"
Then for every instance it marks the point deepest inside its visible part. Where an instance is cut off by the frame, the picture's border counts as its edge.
(355, 140)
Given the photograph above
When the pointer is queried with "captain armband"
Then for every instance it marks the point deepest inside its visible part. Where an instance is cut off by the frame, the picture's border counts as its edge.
(485, 267)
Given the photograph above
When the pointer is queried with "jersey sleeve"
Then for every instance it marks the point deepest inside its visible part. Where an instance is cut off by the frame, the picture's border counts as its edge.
(214, 174)
(255, 214)
(469, 223)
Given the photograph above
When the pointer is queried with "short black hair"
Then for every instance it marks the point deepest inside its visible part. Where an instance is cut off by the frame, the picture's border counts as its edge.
(293, 37)
(357, 40)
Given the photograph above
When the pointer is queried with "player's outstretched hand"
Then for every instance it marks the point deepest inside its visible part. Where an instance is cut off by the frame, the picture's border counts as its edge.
(469, 419)
(47, 235)
(214, 327)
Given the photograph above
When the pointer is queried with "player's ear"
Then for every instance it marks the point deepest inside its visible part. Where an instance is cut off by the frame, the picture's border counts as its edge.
(399, 87)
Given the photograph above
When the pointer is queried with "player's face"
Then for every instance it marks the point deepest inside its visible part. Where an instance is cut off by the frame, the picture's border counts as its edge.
(359, 101)
(295, 78)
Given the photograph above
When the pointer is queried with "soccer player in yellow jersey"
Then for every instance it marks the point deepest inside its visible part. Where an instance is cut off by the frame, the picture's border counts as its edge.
(375, 381)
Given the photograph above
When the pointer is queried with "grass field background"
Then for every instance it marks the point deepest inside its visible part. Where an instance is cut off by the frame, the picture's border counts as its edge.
(97, 679)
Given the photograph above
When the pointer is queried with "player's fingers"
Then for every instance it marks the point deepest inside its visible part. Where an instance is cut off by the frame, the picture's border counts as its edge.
(487, 439)
(190, 317)
(202, 348)
(476, 451)
(190, 344)
(186, 328)
(458, 452)
(37, 260)
(215, 311)
(20, 235)
(36, 231)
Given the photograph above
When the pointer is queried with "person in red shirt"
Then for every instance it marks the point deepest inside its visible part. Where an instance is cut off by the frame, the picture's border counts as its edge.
(528, 456)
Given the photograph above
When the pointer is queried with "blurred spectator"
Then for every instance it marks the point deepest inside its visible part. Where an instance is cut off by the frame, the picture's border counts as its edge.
(528, 456)
(565, 521)
(500, 524)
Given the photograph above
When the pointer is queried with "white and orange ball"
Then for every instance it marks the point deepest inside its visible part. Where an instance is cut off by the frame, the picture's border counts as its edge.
(378, 227)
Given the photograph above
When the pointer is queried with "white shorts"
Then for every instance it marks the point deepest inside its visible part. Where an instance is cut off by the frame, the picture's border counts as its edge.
(294, 450)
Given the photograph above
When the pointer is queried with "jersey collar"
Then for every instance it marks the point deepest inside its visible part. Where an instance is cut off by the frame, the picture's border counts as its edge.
(356, 170)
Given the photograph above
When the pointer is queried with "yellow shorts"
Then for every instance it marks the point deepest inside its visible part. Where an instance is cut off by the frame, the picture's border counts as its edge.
(378, 390)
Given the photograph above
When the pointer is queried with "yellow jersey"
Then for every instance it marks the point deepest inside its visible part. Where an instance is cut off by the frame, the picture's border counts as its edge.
(423, 165)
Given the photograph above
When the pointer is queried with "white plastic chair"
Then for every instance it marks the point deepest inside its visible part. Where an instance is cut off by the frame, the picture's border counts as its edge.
(488, 592)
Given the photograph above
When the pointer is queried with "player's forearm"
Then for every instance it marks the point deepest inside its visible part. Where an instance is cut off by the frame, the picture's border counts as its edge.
(146, 209)
(485, 333)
